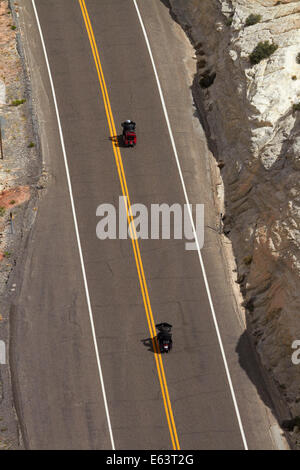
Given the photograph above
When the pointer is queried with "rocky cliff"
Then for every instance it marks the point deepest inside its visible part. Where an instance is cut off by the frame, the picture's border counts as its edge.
(252, 110)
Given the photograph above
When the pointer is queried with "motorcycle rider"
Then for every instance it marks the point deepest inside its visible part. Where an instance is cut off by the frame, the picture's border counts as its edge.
(128, 125)
(164, 334)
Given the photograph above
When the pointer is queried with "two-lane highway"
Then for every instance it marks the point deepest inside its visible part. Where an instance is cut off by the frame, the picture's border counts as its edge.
(84, 377)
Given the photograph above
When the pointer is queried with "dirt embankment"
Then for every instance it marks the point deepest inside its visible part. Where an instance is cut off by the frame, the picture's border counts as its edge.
(20, 174)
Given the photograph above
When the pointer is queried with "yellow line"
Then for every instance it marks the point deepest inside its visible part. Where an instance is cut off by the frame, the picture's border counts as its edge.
(138, 263)
(135, 244)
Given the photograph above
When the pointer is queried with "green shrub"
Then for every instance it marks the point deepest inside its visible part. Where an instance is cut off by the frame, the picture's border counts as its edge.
(30, 145)
(229, 19)
(296, 107)
(262, 51)
(2, 211)
(17, 102)
(13, 27)
(247, 260)
(252, 19)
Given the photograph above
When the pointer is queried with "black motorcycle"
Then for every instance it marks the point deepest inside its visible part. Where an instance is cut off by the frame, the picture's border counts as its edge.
(164, 337)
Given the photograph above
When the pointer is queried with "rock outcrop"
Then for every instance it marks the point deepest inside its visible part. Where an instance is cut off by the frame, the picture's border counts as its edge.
(254, 127)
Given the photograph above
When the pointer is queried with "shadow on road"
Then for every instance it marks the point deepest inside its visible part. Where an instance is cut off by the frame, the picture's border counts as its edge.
(118, 140)
(250, 363)
(149, 343)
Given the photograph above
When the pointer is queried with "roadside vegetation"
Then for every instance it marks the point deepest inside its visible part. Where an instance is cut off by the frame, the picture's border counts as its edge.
(247, 260)
(296, 107)
(17, 102)
(252, 19)
(263, 50)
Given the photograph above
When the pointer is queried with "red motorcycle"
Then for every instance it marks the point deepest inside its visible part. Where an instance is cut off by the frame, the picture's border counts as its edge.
(129, 135)
(129, 138)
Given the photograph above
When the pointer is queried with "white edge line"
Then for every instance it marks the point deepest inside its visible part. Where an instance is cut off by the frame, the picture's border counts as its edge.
(76, 228)
(194, 230)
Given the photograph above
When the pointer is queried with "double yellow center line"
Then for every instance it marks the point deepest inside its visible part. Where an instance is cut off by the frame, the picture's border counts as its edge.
(135, 244)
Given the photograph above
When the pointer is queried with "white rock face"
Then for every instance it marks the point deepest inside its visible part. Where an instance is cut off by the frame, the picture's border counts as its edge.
(249, 110)
(2, 93)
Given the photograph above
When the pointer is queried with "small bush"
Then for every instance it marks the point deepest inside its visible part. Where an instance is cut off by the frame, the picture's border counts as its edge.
(6, 254)
(229, 19)
(30, 145)
(2, 211)
(13, 27)
(263, 50)
(252, 19)
(296, 107)
(294, 77)
(298, 58)
(247, 260)
(12, 202)
(17, 102)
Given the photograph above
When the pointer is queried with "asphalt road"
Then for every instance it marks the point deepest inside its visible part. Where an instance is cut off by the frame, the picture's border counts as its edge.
(58, 394)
